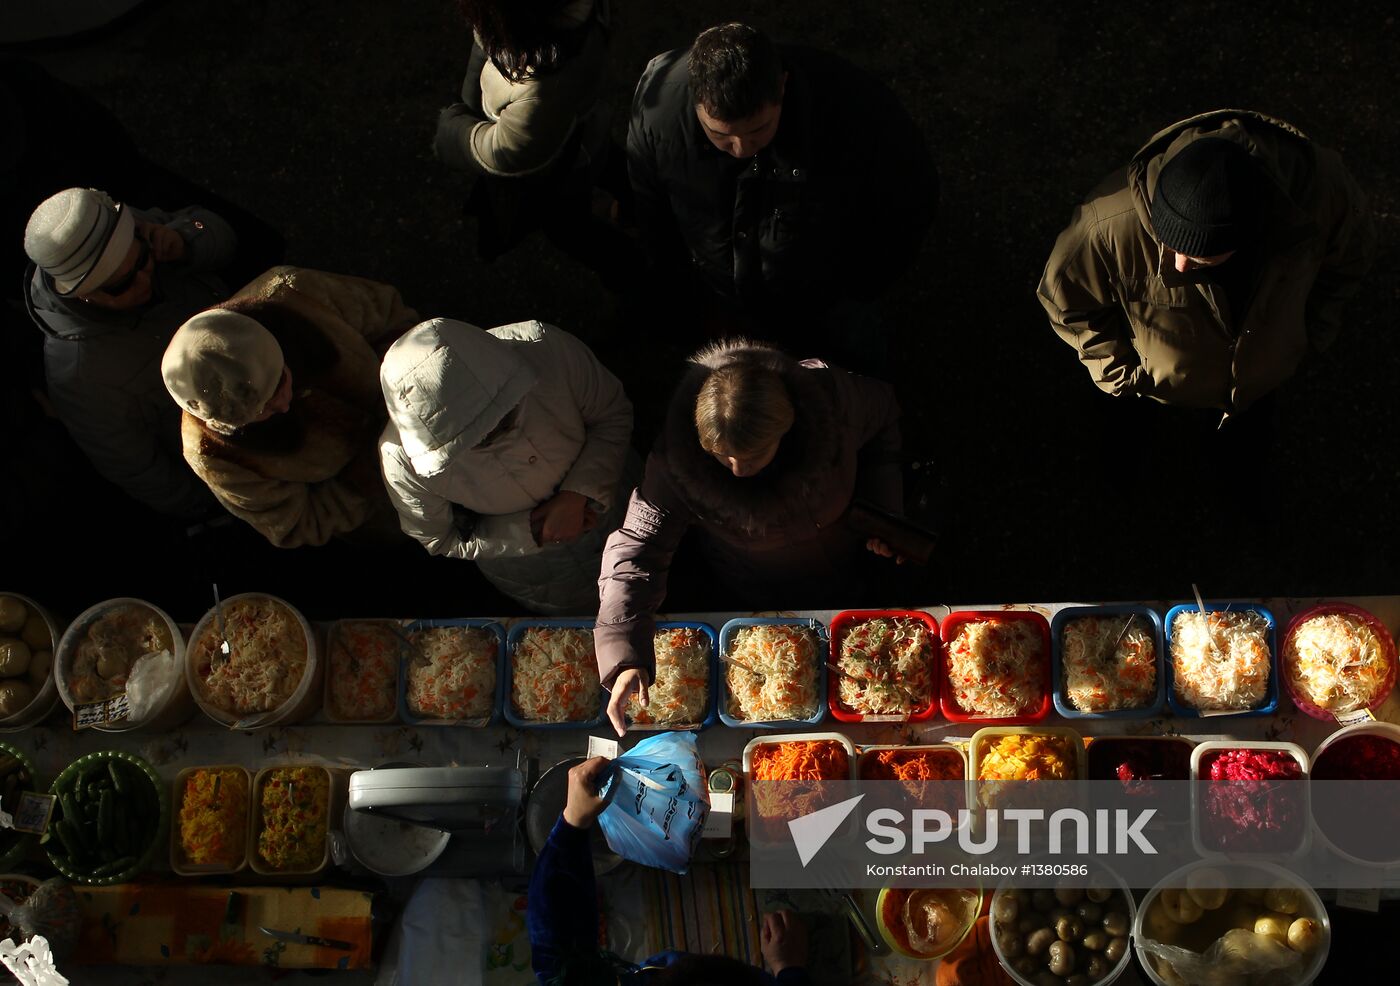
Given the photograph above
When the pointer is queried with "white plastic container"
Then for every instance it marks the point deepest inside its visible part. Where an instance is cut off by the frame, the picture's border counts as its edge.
(1258, 874)
(1382, 729)
(46, 695)
(304, 699)
(1202, 749)
(178, 705)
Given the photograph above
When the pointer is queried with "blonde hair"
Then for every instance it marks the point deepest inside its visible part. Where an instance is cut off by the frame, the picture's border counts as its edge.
(742, 408)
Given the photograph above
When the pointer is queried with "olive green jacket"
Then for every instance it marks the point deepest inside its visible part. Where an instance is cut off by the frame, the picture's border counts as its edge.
(1112, 292)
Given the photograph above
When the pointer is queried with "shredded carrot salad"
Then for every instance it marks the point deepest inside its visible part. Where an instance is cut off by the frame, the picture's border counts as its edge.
(214, 817)
(919, 770)
(997, 667)
(786, 657)
(555, 676)
(1222, 662)
(682, 686)
(1102, 677)
(364, 667)
(452, 674)
(888, 664)
(807, 760)
(1337, 662)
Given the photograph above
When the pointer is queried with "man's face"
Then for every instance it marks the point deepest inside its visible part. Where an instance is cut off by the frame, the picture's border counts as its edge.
(130, 286)
(744, 138)
(1183, 263)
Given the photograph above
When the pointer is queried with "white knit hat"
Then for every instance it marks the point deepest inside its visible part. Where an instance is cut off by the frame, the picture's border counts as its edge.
(223, 368)
(79, 237)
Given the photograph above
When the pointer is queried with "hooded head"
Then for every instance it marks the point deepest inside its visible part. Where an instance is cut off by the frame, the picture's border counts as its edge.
(223, 367)
(447, 384)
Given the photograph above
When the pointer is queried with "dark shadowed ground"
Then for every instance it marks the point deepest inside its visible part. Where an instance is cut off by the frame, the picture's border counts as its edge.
(318, 114)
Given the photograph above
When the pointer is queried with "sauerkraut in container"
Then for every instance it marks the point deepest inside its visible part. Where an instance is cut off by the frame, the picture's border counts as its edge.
(554, 675)
(452, 673)
(996, 668)
(1101, 676)
(681, 690)
(363, 673)
(267, 657)
(888, 665)
(1222, 663)
(787, 659)
(1338, 662)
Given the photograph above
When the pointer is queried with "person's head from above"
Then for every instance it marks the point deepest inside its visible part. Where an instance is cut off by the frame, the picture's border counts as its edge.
(1205, 207)
(227, 370)
(737, 82)
(89, 246)
(742, 412)
(522, 38)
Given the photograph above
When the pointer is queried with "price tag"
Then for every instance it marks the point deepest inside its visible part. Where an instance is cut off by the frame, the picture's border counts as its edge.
(719, 823)
(1360, 900)
(33, 812)
(114, 709)
(1352, 718)
(599, 746)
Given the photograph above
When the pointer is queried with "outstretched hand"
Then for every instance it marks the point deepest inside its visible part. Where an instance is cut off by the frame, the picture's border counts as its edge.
(783, 941)
(584, 803)
(627, 682)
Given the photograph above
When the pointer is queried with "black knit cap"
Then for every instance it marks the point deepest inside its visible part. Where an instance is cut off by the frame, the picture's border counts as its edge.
(1207, 198)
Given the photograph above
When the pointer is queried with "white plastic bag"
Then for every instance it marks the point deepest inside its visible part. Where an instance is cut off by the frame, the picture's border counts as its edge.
(149, 684)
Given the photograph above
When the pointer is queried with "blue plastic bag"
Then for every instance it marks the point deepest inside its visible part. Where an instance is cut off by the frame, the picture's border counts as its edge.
(657, 802)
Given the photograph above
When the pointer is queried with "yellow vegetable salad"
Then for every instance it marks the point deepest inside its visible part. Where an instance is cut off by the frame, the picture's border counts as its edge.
(214, 817)
(294, 810)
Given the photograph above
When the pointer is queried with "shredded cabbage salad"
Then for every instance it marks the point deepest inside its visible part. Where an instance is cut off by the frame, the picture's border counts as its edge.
(1337, 662)
(452, 674)
(1100, 677)
(889, 663)
(364, 670)
(1223, 664)
(786, 655)
(555, 675)
(996, 668)
(266, 661)
(681, 689)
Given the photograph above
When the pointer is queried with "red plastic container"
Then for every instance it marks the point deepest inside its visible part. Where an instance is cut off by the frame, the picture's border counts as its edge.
(951, 624)
(1344, 609)
(841, 624)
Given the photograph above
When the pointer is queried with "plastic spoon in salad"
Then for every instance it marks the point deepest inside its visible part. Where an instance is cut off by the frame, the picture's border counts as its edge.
(1205, 623)
(872, 681)
(1109, 651)
(740, 664)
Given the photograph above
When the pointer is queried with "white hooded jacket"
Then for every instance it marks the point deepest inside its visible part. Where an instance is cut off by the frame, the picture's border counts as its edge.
(448, 385)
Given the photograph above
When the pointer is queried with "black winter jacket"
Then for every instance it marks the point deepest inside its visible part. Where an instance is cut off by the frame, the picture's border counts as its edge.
(839, 201)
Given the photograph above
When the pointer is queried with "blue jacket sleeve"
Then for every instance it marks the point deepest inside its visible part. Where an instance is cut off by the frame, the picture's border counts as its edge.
(562, 907)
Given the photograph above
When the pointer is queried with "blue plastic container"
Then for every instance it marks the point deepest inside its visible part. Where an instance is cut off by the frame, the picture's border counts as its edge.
(1061, 680)
(712, 702)
(508, 708)
(823, 650)
(1270, 704)
(405, 656)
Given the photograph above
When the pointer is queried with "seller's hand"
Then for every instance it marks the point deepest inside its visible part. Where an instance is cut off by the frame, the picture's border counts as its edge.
(561, 518)
(584, 804)
(783, 941)
(627, 682)
(884, 550)
(167, 246)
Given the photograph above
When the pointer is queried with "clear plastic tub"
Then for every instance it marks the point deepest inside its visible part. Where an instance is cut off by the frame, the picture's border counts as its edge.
(1239, 875)
(335, 804)
(1199, 783)
(304, 699)
(498, 693)
(179, 861)
(338, 656)
(842, 624)
(46, 695)
(179, 703)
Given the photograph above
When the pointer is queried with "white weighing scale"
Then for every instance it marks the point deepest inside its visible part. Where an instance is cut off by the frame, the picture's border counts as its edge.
(475, 811)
